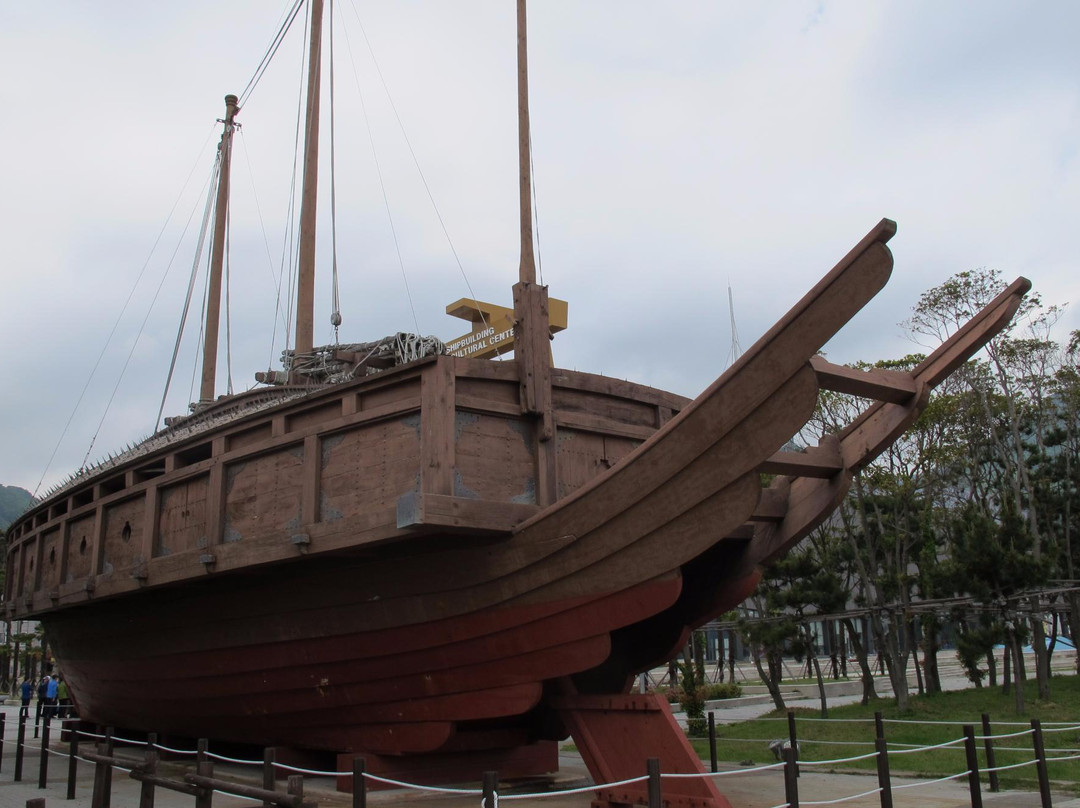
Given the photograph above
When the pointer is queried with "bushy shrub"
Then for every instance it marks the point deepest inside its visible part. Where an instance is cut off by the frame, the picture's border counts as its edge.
(722, 690)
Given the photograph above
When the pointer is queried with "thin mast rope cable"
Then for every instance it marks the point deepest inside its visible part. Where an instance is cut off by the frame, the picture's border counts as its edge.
(335, 299)
(202, 326)
(138, 336)
(416, 162)
(276, 280)
(228, 304)
(191, 285)
(536, 211)
(123, 310)
(271, 51)
(382, 183)
(290, 239)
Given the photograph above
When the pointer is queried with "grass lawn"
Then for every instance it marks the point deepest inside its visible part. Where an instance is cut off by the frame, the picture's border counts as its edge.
(854, 734)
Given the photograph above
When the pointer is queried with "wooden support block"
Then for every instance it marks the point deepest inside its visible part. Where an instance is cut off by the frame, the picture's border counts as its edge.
(881, 385)
(818, 462)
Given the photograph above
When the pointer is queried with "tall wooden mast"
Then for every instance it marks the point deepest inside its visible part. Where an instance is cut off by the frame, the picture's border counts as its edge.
(527, 266)
(532, 349)
(305, 296)
(217, 254)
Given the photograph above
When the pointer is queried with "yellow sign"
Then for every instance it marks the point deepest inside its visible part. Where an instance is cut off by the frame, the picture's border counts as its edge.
(493, 327)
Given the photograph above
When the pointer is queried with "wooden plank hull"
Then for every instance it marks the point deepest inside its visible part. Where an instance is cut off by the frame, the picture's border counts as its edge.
(417, 563)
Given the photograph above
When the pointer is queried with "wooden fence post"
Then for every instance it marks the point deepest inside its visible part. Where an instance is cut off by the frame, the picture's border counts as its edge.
(791, 779)
(205, 768)
(1040, 765)
(793, 739)
(3, 727)
(883, 778)
(43, 764)
(102, 795)
(652, 767)
(202, 746)
(73, 756)
(879, 725)
(20, 741)
(359, 783)
(712, 740)
(973, 766)
(146, 792)
(37, 802)
(988, 744)
(109, 749)
(491, 784)
(268, 773)
(296, 786)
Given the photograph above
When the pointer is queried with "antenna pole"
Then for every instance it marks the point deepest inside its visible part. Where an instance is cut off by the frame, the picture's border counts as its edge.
(217, 254)
(305, 295)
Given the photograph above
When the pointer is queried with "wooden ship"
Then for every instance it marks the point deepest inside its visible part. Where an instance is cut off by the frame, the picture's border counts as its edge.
(450, 564)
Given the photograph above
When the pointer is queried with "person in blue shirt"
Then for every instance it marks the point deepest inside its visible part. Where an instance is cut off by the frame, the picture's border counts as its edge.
(27, 693)
(51, 689)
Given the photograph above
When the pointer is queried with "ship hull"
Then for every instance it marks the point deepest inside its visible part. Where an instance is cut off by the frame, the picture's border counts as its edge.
(422, 563)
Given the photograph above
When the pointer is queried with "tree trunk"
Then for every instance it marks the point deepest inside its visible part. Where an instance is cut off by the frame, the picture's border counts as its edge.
(909, 630)
(731, 656)
(771, 685)
(930, 651)
(895, 660)
(1018, 661)
(843, 650)
(1006, 668)
(811, 657)
(991, 666)
(865, 673)
(1042, 656)
(1074, 623)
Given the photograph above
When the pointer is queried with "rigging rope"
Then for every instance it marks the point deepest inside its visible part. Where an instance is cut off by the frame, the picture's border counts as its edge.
(191, 284)
(276, 280)
(202, 327)
(271, 51)
(131, 353)
(382, 182)
(228, 306)
(536, 211)
(416, 162)
(120, 316)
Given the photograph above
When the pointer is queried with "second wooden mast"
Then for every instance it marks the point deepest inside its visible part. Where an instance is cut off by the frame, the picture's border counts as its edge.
(217, 255)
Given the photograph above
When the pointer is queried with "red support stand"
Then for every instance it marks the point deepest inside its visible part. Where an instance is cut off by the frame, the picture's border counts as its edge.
(617, 734)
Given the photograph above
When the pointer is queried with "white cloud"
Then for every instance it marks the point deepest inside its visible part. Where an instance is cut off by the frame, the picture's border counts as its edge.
(678, 148)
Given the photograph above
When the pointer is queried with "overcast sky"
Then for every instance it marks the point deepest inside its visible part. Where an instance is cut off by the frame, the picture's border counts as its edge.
(679, 148)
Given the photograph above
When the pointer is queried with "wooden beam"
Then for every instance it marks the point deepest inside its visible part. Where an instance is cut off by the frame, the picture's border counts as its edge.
(822, 462)
(151, 517)
(892, 386)
(478, 516)
(772, 507)
(437, 427)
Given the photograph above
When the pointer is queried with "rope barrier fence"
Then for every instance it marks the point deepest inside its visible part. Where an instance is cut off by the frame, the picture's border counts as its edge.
(204, 783)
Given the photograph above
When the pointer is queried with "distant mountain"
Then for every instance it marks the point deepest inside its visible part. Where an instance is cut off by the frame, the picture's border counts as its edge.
(13, 501)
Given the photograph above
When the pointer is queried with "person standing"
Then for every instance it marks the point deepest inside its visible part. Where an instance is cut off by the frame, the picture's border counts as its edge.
(64, 697)
(52, 690)
(42, 698)
(27, 694)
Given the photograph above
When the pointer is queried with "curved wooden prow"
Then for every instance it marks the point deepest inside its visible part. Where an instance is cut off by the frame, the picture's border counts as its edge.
(807, 497)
